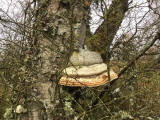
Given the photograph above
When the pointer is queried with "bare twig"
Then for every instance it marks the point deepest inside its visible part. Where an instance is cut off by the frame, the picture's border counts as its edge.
(146, 48)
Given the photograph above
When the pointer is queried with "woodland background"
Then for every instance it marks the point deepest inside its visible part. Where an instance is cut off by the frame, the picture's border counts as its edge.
(37, 37)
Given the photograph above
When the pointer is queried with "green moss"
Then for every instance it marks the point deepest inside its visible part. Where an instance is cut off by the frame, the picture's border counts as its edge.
(92, 42)
(95, 43)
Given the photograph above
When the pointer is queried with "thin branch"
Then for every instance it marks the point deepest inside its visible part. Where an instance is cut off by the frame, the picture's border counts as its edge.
(146, 48)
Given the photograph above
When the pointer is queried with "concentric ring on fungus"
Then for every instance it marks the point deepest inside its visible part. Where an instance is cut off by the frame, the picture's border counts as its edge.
(88, 70)
(89, 81)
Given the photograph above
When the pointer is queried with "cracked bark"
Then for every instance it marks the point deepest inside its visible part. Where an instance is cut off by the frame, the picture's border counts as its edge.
(55, 35)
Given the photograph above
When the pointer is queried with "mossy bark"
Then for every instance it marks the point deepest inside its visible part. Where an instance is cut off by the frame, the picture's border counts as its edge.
(104, 35)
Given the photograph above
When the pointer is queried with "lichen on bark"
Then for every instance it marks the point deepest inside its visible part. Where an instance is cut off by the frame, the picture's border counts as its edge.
(57, 28)
(105, 33)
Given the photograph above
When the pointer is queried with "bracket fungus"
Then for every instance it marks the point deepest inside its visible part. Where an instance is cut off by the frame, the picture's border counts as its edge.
(87, 70)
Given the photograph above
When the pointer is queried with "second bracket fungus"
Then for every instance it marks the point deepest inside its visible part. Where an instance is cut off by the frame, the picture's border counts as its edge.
(85, 57)
(87, 70)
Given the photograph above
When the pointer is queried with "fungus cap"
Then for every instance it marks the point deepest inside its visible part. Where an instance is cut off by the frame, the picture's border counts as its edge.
(87, 81)
(85, 57)
(85, 70)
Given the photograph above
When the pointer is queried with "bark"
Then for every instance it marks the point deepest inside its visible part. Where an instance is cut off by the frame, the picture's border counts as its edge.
(104, 35)
(55, 35)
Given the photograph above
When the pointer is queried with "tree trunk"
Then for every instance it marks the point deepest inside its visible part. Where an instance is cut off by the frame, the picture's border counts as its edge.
(55, 35)
(104, 35)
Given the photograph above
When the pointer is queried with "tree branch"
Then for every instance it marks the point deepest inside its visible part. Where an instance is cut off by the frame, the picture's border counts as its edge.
(104, 35)
(146, 48)
(130, 64)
